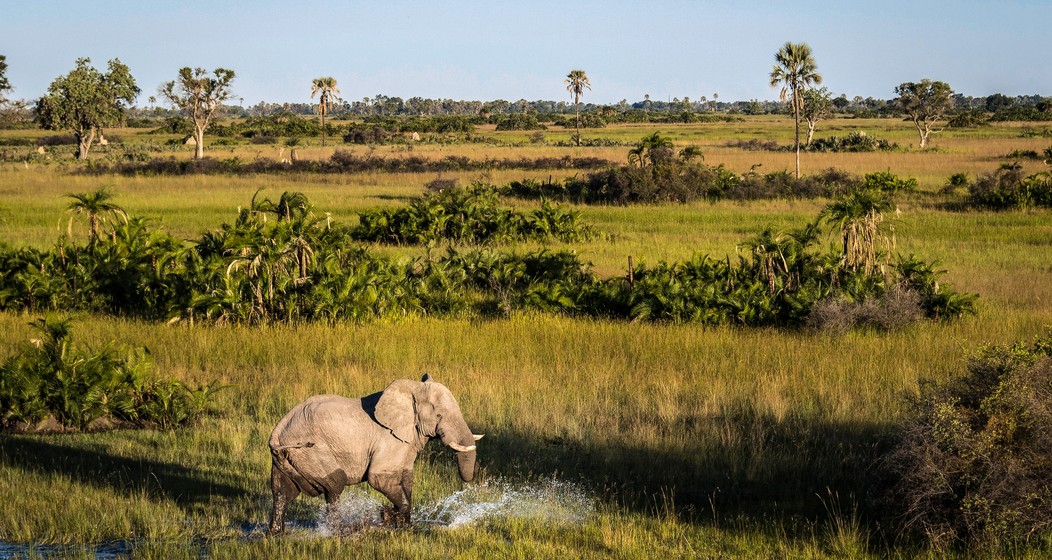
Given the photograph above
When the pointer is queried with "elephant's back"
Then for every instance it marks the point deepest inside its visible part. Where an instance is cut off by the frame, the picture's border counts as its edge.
(319, 416)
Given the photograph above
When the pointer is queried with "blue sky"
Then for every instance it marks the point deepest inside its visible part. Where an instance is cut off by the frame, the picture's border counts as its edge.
(523, 49)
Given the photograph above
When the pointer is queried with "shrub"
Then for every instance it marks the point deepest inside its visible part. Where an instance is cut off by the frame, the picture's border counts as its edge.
(755, 145)
(895, 309)
(853, 142)
(1009, 188)
(887, 182)
(973, 463)
(83, 389)
(57, 140)
(469, 215)
(520, 121)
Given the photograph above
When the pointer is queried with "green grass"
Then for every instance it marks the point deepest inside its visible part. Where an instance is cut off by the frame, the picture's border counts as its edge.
(695, 442)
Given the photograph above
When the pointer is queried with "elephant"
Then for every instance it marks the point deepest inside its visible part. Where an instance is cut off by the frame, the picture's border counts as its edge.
(328, 442)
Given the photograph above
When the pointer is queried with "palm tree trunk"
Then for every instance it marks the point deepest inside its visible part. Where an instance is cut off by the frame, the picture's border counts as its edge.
(796, 117)
(577, 112)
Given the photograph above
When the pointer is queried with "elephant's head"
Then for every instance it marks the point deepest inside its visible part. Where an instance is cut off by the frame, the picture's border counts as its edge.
(426, 409)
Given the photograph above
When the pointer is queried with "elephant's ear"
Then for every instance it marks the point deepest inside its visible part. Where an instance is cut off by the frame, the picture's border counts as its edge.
(396, 409)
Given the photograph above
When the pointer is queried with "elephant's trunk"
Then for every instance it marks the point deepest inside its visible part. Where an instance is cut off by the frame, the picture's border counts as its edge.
(455, 433)
(466, 464)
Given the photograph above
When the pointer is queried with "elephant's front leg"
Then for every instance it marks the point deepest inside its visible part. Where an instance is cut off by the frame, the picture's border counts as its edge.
(398, 488)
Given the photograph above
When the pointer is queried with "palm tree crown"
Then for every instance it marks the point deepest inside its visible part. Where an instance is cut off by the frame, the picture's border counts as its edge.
(94, 205)
(325, 88)
(576, 83)
(795, 70)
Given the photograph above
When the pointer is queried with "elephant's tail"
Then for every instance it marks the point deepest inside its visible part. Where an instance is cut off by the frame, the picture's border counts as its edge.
(282, 460)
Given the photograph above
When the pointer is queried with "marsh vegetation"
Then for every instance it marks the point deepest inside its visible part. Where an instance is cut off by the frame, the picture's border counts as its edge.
(688, 438)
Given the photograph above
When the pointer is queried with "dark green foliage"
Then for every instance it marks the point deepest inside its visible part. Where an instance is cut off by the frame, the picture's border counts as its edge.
(588, 120)
(284, 125)
(279, 262)
(340, 162)
(938, 301)
(381, 130)
(974, 463)
(469, 215)
(679, 180)
(853, 142)
(79, 387)
(969, 119)
(520, 121)
(1008, 188)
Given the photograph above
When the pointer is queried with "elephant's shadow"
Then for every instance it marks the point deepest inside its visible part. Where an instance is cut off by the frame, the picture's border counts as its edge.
(129, 476)
(739, 465)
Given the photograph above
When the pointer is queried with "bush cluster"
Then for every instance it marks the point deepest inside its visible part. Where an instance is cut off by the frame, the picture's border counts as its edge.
(1009, 188)
(675, 180)
(974, 463)
(82, 389)
(520, 121)
(853, 142)
(279, 261)
(340, 162)
(381, 130)
(470, 215)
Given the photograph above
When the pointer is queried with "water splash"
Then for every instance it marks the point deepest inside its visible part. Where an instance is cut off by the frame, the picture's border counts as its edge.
(546, 499)
(358, 511)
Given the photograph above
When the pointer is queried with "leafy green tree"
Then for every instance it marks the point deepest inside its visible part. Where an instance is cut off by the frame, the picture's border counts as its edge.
(818, 105)
(326, 90)
(86, 100)
(576, 83)
(200, 96)
(795, 70)
(925, 103)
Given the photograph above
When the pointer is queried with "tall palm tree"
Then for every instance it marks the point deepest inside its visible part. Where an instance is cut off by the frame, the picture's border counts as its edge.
(795, 70)
(576, 82)
(93, 205)
(325, 88)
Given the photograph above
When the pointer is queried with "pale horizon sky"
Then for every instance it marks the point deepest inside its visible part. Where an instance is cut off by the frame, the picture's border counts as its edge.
(479, 50)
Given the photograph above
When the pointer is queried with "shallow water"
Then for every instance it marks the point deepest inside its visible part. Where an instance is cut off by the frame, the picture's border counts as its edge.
(107, 551)
(548, 500)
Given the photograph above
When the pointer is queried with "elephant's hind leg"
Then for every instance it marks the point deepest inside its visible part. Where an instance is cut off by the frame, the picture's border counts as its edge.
(284, 492)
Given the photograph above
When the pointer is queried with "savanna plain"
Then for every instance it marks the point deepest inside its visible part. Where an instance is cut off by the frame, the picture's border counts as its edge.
(647, 439)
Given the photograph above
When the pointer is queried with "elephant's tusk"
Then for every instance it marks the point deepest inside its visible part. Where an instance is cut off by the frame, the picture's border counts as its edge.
(477, 436)
(461, 448)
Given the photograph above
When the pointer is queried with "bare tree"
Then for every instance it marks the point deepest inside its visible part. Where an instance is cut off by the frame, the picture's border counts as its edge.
(200, 96)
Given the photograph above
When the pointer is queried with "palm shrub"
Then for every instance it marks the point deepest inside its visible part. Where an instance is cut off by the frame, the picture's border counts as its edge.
(469, 215)
(79, 387)
(973, 462)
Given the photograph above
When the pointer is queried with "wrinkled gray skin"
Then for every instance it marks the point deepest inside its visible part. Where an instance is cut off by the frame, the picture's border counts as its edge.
(328, 442)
